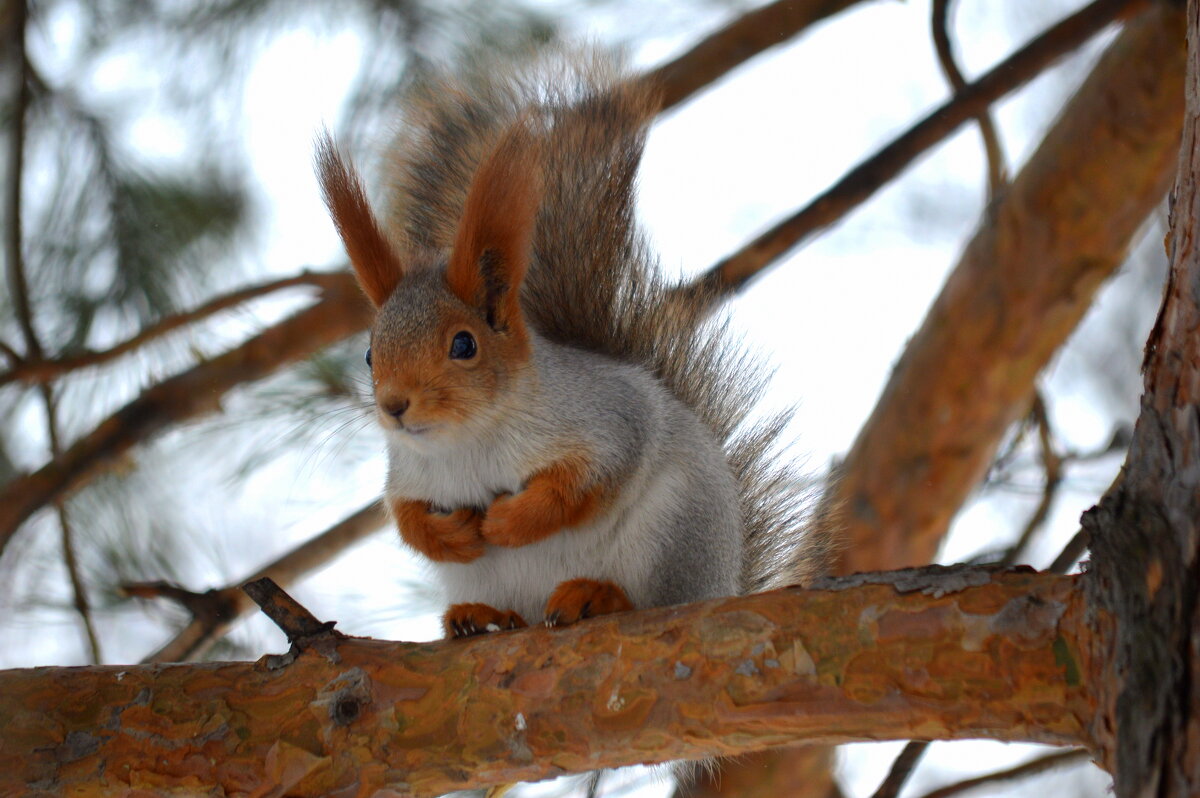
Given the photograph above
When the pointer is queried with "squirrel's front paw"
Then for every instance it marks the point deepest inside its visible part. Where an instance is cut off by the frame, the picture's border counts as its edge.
(456, 537)
(442, 537)
(577, 599)
(464, 620)
(505, 523)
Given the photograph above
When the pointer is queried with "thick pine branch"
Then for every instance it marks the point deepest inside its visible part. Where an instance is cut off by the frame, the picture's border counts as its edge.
(1019, 290)
(942, 653)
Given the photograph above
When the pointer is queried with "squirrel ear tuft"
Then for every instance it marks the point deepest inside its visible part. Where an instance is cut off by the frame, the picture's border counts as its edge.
(494, 242)
(375, 262)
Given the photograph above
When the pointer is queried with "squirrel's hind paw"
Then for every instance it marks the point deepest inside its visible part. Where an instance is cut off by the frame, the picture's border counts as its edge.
(577, 599)
(466, 620)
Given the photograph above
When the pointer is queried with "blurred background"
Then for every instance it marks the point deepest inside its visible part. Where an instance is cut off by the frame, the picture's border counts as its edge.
(165, 160)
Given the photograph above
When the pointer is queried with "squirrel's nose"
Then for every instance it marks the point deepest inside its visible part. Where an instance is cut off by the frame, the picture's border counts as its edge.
(395, 408)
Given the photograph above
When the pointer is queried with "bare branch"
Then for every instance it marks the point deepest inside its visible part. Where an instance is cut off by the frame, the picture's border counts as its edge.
(214, 612)
(341, 312)
(997, 172)
(1019, 289)
(736, 43)
(14, 258)
(902, 767)
(288, 614)
(40, 371)
(735, 271)
(963, 652)
(1031, 768)
(1070, 554)
(1052, 465)
(17, 21)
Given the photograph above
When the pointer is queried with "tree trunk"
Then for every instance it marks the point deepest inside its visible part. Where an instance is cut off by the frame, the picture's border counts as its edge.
(1145, 534)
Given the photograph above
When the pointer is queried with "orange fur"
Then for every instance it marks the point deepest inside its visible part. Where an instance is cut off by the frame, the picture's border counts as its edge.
(553, 498)
(577, 599)
(465, 620)
(451, 537)
(375, 262)
(495, 235)
(440, 390)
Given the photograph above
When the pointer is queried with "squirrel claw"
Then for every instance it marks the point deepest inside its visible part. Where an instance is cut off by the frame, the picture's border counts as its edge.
(577, 599)
(468, 620)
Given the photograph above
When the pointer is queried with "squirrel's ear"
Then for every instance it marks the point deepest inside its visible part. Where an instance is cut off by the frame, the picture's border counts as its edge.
(495, 236)
(374, 261)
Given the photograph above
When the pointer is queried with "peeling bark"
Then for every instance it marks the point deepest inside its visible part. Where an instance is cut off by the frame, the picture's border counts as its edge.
(1001, 655)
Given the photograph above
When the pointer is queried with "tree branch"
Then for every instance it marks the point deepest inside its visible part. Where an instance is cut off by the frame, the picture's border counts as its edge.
(41, 371)
(736, 43)
(14, 258)
(858, 185)
(1144, 578)
(1018, 291)
(1024, 770)
(997, 172)
(949, 653)
(1052, 464)
(214, 612)
(339, 313)
(18, 20)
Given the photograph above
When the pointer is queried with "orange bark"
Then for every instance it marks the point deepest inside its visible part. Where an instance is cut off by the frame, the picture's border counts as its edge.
(946, 654)
(1019, 290)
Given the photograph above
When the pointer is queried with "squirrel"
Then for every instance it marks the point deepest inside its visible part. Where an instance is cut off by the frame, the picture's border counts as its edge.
(566, 436)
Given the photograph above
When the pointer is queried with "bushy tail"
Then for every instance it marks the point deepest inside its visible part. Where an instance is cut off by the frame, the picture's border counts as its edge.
(593, 282)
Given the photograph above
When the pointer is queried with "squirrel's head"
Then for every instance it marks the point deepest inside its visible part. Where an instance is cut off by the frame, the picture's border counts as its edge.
(449, 338)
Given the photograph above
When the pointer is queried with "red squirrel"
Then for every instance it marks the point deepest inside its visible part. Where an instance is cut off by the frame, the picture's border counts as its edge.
(566, 436)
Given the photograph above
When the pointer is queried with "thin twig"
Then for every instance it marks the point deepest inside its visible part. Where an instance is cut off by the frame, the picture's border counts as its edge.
(1070, 554)
(214, 612)
(734, 272)
(13, 257)
(78, 590)
(1052, 465)
(13, 355)
(40, 371)
(1056, 759)
(902, 768)
(19, 290)
(288, 614)
(340, 313)
(997, 172)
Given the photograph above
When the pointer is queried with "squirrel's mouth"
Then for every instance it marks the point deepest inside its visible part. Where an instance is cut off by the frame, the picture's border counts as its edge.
(416, 429)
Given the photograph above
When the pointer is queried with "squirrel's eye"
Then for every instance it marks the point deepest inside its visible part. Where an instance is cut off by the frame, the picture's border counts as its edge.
(368, 357)
(463, 346)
